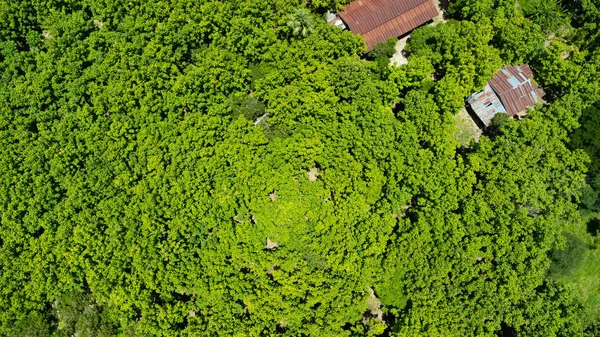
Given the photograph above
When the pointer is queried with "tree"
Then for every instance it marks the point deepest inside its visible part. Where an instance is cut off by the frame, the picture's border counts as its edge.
(139, 197)
(301, 23)
(546, 13)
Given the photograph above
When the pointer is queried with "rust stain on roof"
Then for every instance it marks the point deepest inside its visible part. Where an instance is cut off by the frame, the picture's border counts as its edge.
(514, 87)
(511, 91)
(486, 104)
(378, 20)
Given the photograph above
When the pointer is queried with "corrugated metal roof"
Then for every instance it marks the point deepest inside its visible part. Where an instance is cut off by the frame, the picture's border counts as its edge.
(335, 20)
(514, 88)
(378, 20)
(486, 104)
(511, 91)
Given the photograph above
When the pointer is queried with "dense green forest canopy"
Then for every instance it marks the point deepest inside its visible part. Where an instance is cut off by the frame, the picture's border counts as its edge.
(242, 168)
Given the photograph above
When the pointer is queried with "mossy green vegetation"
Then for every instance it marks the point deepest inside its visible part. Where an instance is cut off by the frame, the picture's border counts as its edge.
(466, 129)
(242, 168)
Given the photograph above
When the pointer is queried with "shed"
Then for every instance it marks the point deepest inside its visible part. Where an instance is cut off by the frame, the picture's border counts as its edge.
(511, 91)
(486, 104)
(378, 20)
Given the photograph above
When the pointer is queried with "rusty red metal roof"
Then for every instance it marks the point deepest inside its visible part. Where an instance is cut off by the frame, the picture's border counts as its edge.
(378, 20)
(515, 89)
(511, 91)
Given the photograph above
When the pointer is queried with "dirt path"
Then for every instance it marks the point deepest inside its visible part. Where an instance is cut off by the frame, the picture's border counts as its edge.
(440, 17)
(399, 58)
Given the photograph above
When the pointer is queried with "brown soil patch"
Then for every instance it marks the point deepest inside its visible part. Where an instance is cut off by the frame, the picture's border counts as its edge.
(374, 305)
(313, 173)
(271, 244)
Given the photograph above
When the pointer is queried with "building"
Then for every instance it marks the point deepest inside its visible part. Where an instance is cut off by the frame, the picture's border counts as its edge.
(486, 105)
(378, 20)
(511, 91)
(335, 20)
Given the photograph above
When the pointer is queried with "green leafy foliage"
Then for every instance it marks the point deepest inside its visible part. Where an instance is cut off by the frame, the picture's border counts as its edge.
(301, 23)
(460, 51)
(546, 13)
(382, 52)
(240, 168)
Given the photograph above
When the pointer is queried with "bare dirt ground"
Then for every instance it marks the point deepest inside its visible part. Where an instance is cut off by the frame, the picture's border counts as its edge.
(399, 58)
(271, 244)
(466, 129)
(313, 173)
(440, 17)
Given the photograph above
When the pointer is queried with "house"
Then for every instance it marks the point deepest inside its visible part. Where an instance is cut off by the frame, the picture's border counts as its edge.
(378, 20)
(511, 91)
(335, 20)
